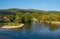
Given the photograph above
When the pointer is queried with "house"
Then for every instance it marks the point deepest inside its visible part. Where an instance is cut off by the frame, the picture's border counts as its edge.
(1, 18)
(4, 18)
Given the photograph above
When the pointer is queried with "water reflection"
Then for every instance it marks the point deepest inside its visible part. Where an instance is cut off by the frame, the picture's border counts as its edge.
(38, 26)
(53, 27)
(38, 30)
(34, 30)
(27, 26)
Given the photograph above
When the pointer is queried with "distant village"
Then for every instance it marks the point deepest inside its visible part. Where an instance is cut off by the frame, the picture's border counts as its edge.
(4, 18)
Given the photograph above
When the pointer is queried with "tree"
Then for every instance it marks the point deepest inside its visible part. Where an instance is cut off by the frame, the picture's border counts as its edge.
(44, 18)
(27, 17)
(50, 17)
(36, 15)
(18, 17)
(10, 16)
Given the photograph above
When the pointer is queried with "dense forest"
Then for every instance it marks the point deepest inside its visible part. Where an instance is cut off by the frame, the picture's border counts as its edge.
(15, 16)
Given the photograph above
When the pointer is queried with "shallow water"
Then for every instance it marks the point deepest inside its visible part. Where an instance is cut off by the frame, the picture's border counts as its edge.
(32, 31)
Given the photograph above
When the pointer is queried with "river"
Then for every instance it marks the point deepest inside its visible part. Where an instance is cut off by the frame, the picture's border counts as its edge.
(36, 30)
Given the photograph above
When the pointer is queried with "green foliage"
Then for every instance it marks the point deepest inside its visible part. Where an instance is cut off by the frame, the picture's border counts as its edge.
(50, 17)
(36, 15)
(12, 23)
(18, 17)
(10, 16)
(27, 17)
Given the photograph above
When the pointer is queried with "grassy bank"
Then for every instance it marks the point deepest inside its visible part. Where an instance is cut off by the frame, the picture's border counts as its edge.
(52, 22)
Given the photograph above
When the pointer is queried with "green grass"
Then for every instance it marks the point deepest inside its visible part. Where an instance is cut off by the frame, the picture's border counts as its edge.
(12, 23)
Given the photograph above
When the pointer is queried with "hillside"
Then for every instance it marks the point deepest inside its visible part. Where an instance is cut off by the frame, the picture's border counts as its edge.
(14, 10)
(15, 16)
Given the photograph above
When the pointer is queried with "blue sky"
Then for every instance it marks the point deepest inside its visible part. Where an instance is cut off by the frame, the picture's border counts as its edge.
(31, 4)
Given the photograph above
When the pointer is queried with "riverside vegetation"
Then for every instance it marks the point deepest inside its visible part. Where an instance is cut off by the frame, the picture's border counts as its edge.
(16, 16)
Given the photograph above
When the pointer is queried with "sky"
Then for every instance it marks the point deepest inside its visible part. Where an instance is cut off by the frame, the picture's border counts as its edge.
(31, 4)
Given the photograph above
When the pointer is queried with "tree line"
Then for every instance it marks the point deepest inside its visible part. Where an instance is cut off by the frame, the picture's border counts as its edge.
(20, 17)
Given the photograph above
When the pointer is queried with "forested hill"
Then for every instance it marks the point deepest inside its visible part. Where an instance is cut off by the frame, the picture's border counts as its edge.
(14, 10)
(27, 15)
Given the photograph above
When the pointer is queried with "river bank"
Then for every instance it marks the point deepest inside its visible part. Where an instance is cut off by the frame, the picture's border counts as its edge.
(52, 22)
(17, 26)
(21, 25)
